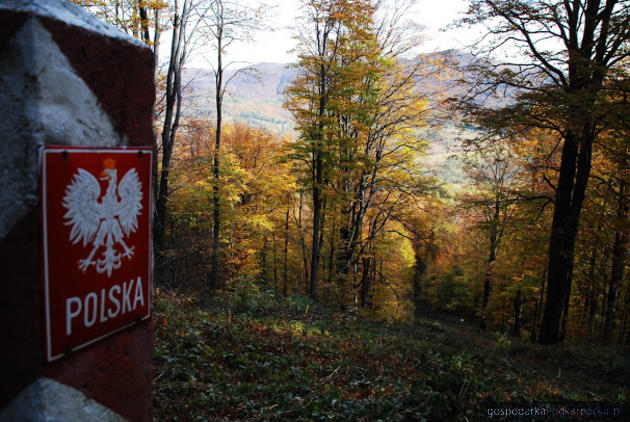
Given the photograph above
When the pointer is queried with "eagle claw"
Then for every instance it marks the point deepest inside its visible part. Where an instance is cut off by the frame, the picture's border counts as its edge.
(128, 252)
(84, 264)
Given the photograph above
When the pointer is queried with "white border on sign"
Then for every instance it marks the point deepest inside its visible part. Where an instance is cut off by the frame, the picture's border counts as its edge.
(70, 150)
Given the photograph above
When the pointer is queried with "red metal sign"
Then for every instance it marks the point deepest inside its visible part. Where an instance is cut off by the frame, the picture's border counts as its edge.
(96, 209)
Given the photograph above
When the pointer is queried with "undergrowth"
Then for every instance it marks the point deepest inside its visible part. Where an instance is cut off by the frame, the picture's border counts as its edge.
(252, 355)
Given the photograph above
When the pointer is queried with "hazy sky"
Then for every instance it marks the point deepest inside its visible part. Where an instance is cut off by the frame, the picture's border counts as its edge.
(275, 46)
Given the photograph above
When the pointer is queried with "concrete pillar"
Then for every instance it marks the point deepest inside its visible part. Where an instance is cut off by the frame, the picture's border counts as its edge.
(66, 78)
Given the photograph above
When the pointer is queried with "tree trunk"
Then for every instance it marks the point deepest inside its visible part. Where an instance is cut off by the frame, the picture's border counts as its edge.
(275, 262)
(322, 226)
(365, 281)
(539, 303)
(565, 315)
(574, 173)
(372, 284)
(486, 283)
(216, 199)
(331, 255)
(494, 243)
(518, 312)
(420, 268)
(158, 216)
(351, 231)
(503, 315)
(305, 276)
(317, 209)
(343, 262)
(587, 64)
(485, 297)
(172, 113)
(263, 261)
(286, 252)
(624, 332)
(620, 247)
(144, 22)
(588, 297)
(318, 177)
(156, 43)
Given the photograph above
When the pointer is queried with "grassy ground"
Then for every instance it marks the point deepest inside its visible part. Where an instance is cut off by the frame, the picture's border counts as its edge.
(252, 357)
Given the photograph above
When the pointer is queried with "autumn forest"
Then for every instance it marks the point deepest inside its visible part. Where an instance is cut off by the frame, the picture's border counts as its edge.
(486, 188)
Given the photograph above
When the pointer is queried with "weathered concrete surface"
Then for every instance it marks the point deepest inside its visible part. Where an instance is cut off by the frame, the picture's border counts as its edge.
(46, 400)
(42, 101)
(68, 79)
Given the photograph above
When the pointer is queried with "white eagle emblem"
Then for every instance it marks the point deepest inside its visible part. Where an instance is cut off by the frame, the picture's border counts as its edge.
(104, 221)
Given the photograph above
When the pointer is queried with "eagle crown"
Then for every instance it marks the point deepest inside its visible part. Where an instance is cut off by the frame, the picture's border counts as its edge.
(109, 170)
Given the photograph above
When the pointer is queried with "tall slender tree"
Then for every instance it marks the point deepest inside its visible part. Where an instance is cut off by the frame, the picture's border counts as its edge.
(308, 100)
(228, 22)
(492, 171)
(381, 114)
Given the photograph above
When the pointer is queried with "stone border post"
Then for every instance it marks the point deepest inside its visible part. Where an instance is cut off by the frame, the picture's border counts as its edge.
(66, 78)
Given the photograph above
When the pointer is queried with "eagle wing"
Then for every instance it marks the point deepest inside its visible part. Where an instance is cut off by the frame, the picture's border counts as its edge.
(130, 193)
(84, 212)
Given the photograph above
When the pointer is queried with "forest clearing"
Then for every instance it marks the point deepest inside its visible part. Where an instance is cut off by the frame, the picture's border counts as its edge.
(371, 230)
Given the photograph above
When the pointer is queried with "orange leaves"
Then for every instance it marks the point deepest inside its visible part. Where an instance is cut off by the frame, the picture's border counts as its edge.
(254, 183)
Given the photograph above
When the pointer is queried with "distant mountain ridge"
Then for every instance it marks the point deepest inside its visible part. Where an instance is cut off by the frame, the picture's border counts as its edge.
(266, 79)
(257, 97)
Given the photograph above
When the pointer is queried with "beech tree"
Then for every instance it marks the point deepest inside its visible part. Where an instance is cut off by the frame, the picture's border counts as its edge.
(611, 176)
(308, 100)
(493, 172)
(379, 139)
(357, 111)
(566, 51)
(227, 22)
(185, 20)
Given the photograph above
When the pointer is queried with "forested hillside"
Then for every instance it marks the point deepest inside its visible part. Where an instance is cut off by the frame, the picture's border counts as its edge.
(390, 190)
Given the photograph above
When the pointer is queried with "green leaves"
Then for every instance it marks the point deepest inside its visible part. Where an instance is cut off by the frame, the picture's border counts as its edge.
(214, 364)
